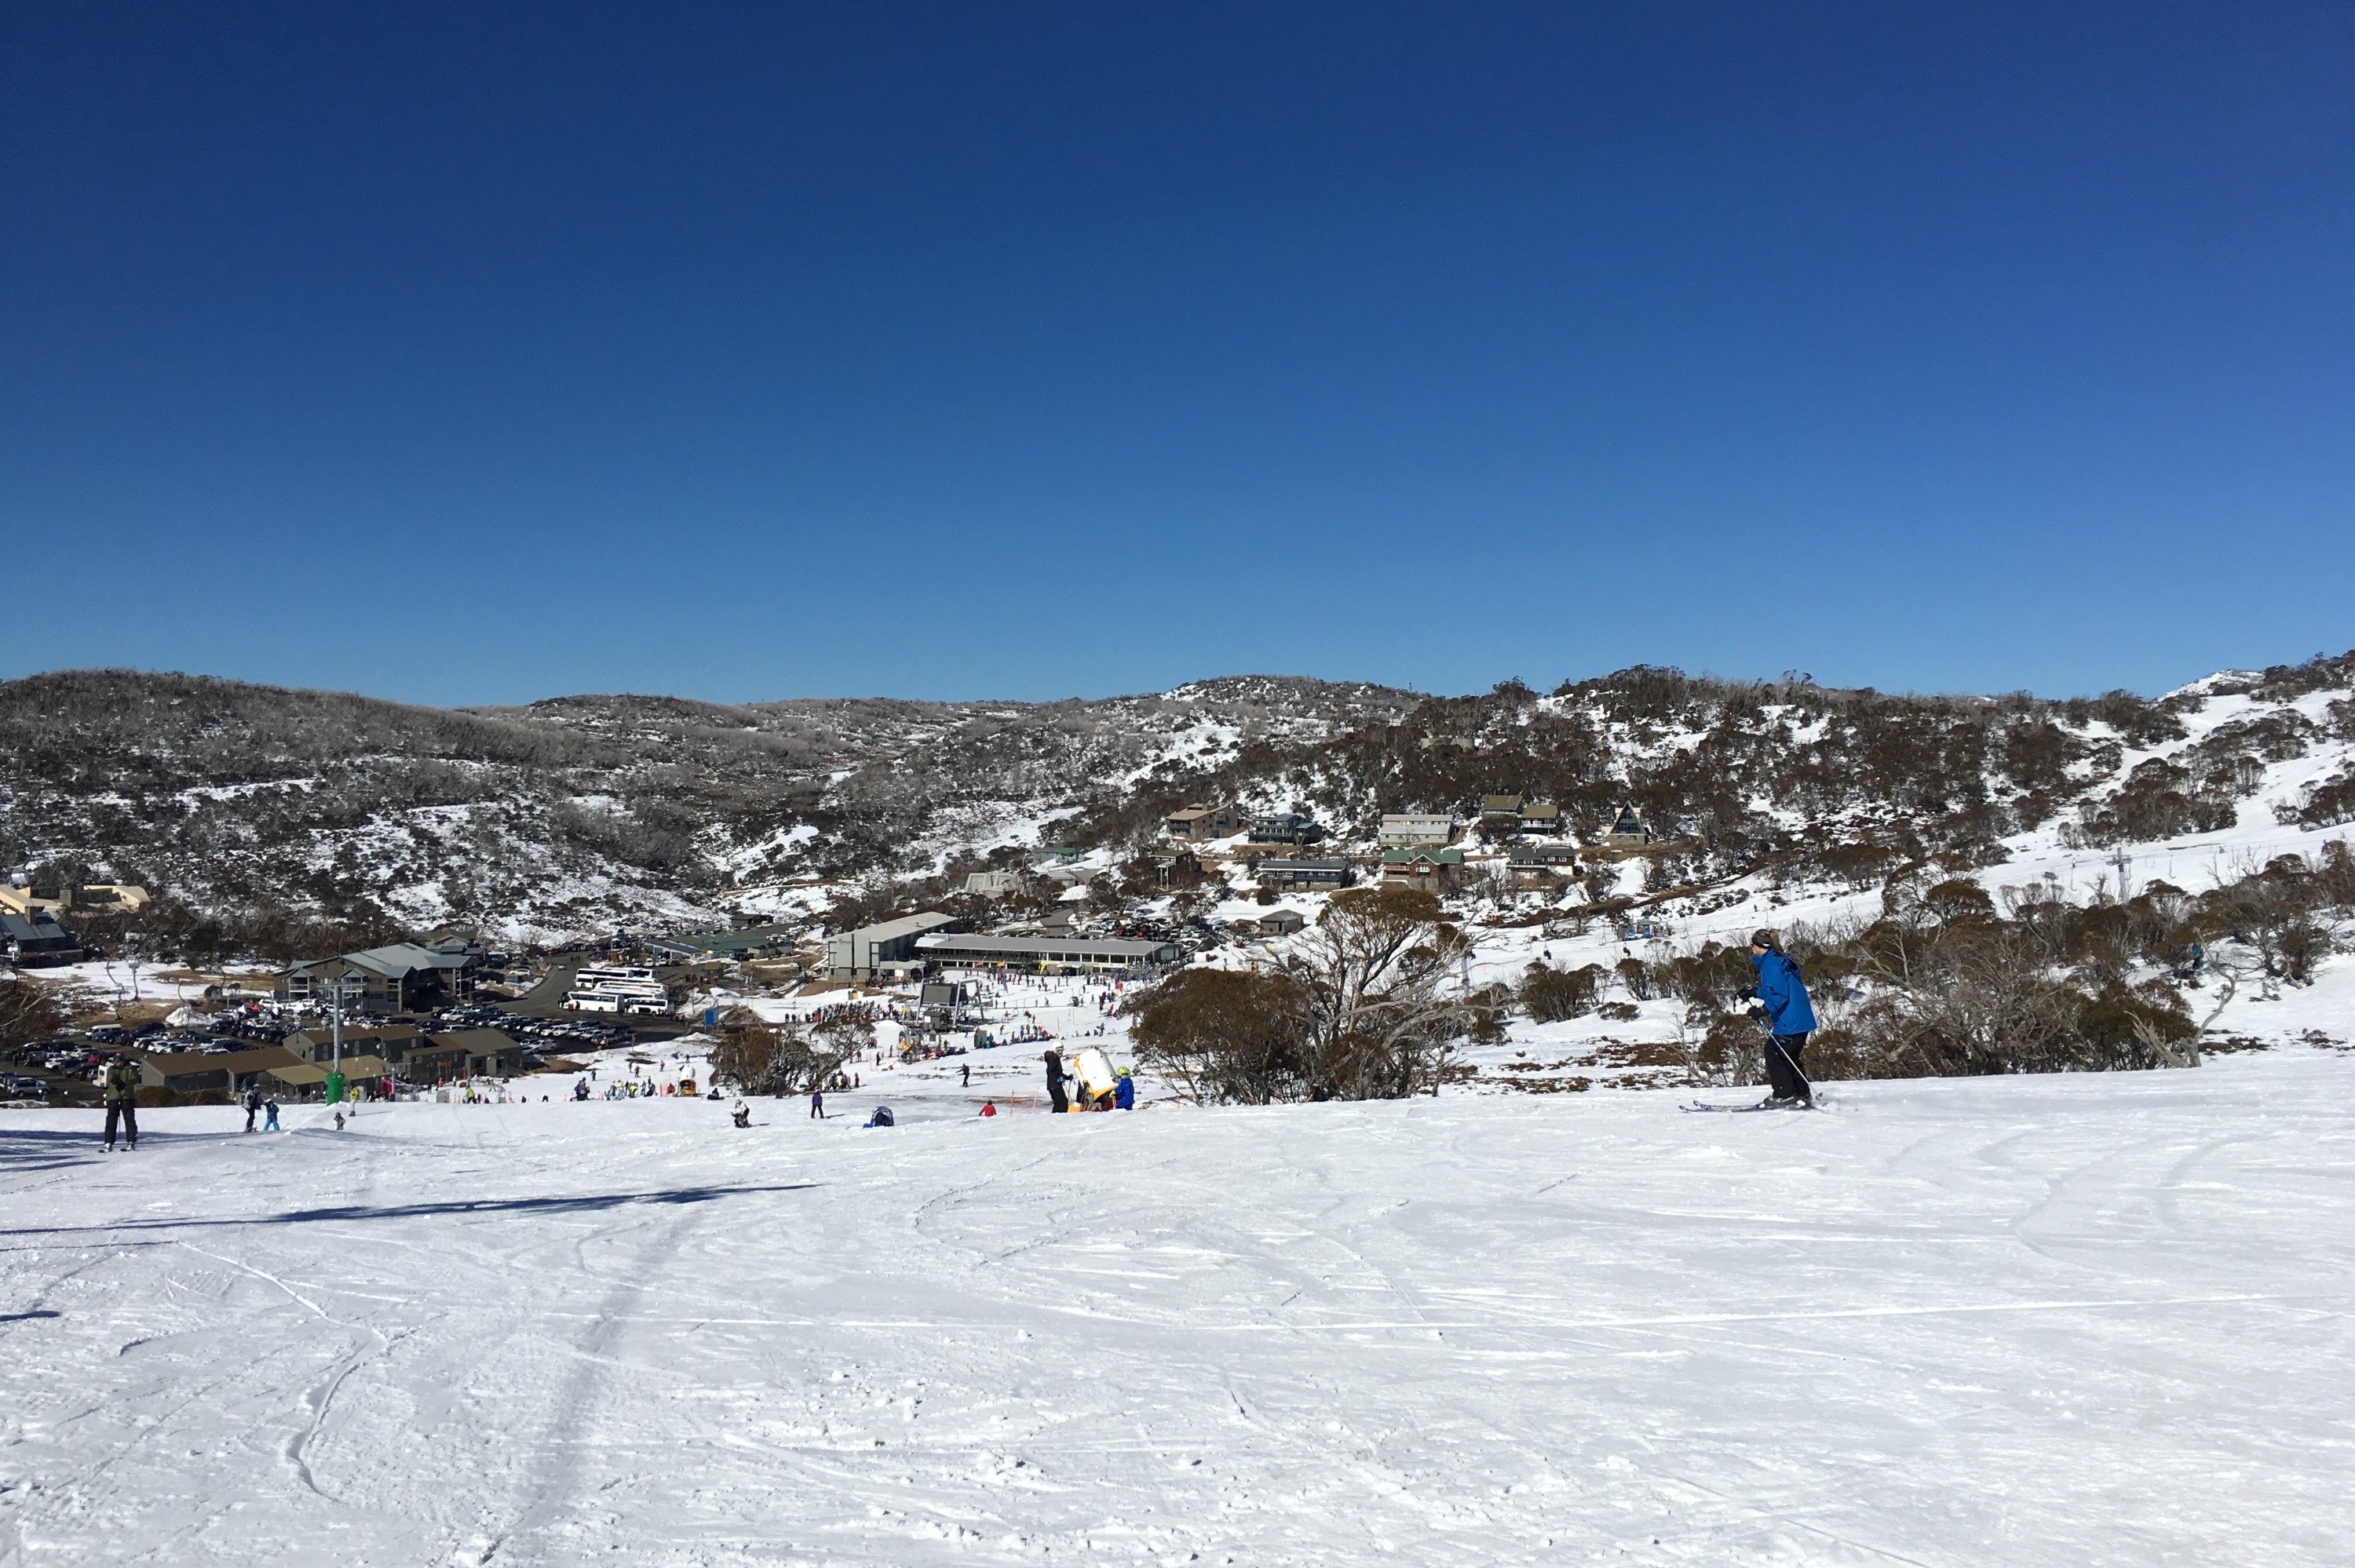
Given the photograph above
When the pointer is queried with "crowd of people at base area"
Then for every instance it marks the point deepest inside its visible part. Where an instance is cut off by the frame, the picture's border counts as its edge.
(923, 1051)
(639, 1089)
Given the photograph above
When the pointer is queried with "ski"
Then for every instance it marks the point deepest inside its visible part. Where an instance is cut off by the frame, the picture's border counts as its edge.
(1738, 1110)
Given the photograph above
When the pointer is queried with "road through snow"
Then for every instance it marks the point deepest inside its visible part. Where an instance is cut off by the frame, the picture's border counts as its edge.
(2035, 1321)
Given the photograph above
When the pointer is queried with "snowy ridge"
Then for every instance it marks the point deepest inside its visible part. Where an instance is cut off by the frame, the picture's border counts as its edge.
(574, 814)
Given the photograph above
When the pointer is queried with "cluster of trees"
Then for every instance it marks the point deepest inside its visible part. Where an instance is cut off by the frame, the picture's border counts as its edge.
(1949, 981)
(27, 1012)
(1945, 980)
(172, 929)
(258, 799)
(1883, 779)
(1362, 1009)
(761, 1058)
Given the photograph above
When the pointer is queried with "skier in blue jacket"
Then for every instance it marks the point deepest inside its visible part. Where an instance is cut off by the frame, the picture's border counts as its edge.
(1782, 1000)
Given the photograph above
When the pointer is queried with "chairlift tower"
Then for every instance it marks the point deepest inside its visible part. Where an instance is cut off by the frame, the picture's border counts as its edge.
(338, 990)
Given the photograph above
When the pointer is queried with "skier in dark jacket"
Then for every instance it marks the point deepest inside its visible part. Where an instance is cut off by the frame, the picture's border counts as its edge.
(253, 1105)
(122, 1101)
(1782, 1000)
(1055, 1080)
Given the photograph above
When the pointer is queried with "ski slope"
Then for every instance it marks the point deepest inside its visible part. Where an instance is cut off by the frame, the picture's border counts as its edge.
(2074, 1320)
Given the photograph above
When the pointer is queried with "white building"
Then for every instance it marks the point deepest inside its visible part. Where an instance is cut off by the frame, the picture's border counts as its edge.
(1413, 829)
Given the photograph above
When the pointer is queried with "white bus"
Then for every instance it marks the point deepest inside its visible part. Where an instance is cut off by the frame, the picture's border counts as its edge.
(590, 974)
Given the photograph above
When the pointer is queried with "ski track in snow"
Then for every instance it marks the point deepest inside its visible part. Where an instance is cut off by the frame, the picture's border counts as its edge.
(2069, 1320)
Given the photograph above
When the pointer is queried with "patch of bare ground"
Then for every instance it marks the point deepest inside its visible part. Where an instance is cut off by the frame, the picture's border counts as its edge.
(1634, 1053)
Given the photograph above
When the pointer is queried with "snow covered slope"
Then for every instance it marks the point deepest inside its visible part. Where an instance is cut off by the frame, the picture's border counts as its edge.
(259, 807)
(2066, 1321)
(560, 818)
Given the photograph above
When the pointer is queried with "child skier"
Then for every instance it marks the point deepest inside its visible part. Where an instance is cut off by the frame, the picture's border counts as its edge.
(1782, 1000)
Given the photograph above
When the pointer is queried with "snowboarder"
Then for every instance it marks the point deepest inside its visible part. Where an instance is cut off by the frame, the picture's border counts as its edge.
(1123, 1094)
(989, 1107)
(1055, 1080)
(1781, 1000)
(122, 1101)
(966, 1067)
(818, 1103)
(269, 1116)
(339, 1120)
(743, 1114)
(880, 1117)
(253, 1103)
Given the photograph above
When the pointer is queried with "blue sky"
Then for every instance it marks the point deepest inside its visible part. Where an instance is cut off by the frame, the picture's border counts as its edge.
(475, 353)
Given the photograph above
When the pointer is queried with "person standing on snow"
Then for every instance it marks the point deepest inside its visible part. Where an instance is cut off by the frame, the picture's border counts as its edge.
(122, 1101)
(1781, 1000)
(1055, 1080)
(270, 1121)
(818, 1103)
(253, 1103)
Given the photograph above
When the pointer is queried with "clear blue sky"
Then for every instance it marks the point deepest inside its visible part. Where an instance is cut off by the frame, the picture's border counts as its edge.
(478, 353)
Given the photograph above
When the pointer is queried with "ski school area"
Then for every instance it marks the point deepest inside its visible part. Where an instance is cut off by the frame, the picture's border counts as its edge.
(2068, 1320)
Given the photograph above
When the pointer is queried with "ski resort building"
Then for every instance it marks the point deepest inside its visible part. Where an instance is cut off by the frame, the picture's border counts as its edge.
(35, 939)
(1538, 865)
(1048, 954)
(890, 947)
(97, 897)
(463, 1053)
(1426, 870)
(1409, 830)
(1630, 830)
(193, 1072)
(732, 947)
(1285, 828)
(1200, 821)
(390, 1040)
(400, 977)
(1305, 873)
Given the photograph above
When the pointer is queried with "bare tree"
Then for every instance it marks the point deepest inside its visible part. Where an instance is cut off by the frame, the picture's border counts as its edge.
(1365, 1006)
(1376, 975)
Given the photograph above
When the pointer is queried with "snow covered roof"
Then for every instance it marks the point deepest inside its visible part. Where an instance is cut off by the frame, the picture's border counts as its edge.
(1119, 948)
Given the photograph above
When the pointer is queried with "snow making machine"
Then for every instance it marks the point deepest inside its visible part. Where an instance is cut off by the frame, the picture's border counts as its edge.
(1097, 1083)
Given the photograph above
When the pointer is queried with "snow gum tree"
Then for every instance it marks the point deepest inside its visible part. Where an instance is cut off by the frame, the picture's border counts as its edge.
(1383, 1009)
(1368, 1006)
(763, 1059)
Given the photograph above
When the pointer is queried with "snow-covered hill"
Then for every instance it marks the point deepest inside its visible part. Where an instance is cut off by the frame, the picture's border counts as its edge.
(574, 814)
(2074, 1320)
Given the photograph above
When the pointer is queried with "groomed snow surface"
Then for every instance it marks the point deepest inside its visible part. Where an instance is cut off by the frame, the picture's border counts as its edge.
(2067, 1320)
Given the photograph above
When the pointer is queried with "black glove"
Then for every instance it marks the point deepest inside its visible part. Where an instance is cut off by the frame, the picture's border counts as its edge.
(1753, 1007)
